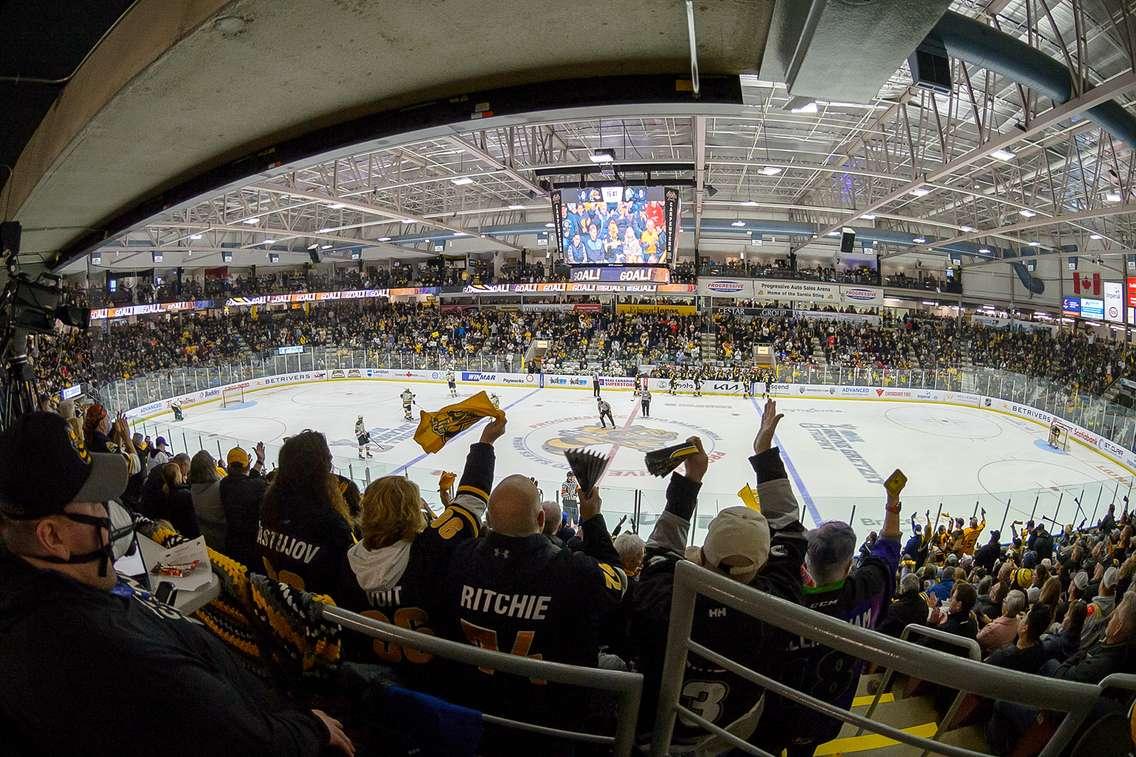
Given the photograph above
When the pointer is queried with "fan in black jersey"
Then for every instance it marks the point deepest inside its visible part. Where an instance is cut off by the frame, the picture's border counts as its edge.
(515, 591)
(858, 596)
(763, 550)
(397, 569)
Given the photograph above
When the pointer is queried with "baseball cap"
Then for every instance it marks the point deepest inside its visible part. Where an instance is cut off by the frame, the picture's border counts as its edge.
(737, 532)
(1081, 580)
(952, 559)
(46, 466)
(237, 455)
(1033, 594)
(161, 442)
(831, 543)
(1110, 578)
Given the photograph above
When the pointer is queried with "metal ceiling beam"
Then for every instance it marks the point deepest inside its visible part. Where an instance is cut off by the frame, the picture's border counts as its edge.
(1055, 115)
(698, 129)
(508, 170)
(393, 214)
(1037, 223)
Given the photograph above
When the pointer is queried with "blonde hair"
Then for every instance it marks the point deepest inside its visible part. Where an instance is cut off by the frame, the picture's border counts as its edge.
(392, 511)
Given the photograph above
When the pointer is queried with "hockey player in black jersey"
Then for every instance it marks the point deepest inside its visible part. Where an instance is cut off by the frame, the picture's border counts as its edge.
(515, 591)
(396, 571)
(763, 550)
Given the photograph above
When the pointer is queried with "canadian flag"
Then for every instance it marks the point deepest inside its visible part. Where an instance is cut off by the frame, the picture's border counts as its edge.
(1083, 283)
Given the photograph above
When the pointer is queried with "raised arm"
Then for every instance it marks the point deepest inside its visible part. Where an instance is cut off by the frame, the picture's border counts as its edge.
(673, 527)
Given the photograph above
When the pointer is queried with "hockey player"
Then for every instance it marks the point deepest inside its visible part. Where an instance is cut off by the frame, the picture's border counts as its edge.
(672, 387)
(407, 400)
(698, 383)
(451, 382)
(605, 412)
(178, 414)
(494, 399)
(363, 437)
(645, 402)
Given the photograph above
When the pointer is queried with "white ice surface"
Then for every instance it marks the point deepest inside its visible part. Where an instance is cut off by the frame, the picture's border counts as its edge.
(837, 451)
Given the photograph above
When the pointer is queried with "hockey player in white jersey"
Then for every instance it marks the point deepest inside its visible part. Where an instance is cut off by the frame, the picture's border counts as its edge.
(451, 382)
(363, 437)
(407, 400)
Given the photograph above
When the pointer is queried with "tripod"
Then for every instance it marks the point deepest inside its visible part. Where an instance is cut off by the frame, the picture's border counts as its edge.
(17, 384)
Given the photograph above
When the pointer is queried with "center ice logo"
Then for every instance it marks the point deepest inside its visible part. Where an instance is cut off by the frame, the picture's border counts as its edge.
(642, 438)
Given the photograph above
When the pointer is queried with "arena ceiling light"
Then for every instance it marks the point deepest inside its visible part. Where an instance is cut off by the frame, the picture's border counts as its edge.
(251, 221)
(602, 155)
(195, 237)
(1002, 155)
(738, 223)
(920, 192)
(326, 247)
(1112, 197)
(461, 181)
(516, 207)
(869, 216)
(749, 204)
(325, 230)
(408, 220)
(983, 250)
(1035, 243)
(771, 170)
(1095, 237)
(336, 205)
(919, 240)
(1026, 213)
(966, 229)
(384, 239)
(313, 246)
(549, 225)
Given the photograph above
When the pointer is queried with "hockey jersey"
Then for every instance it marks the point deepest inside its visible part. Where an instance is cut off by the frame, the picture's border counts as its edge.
(526, 596)
(401, 583)
(712, 692)
(305, 549)
(859, 599)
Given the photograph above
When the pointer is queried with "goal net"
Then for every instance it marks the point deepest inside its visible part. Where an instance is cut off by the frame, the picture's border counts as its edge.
(1059, 436)
(232, 396)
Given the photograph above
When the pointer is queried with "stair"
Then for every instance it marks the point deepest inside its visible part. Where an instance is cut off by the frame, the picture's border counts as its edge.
(1112, 392)
(708, 345)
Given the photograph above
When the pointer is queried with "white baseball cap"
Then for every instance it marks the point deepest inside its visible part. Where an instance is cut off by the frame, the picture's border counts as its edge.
(737, 532)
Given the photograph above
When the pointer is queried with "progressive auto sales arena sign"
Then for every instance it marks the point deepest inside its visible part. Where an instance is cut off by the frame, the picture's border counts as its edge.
(547, 441)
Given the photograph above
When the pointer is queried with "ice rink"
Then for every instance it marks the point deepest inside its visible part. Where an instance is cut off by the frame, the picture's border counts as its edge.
(837, 452)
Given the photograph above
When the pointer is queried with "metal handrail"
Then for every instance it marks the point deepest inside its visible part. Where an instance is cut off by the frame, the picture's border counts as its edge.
(627, 687)
(691, 581)
(970, 646)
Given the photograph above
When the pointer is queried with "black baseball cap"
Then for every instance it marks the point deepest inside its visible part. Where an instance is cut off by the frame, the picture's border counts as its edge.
(46, 466)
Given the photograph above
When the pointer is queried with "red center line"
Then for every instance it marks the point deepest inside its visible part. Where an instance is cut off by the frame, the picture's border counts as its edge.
(615, 447)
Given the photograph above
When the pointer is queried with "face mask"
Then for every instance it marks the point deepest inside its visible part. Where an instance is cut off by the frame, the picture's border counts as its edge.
(119, 524)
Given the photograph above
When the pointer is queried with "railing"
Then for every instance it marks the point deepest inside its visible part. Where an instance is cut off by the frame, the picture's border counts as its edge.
(627, 687)
(1076, 700)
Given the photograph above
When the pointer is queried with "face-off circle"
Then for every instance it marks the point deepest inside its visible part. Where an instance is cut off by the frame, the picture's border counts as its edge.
(547, 441)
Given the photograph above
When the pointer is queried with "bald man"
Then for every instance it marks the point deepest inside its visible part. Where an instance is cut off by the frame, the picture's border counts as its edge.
(515, 591)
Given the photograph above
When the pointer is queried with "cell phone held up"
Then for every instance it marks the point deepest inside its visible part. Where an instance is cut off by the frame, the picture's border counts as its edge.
(895, 483)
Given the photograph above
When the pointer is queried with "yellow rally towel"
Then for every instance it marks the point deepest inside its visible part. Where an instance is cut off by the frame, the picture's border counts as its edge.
(437, 428)
(749, 498)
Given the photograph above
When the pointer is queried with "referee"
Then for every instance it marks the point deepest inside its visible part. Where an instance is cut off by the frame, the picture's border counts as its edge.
(645, 402)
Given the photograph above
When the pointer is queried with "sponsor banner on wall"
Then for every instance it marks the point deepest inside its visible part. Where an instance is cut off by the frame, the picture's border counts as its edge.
(1114, 301)
(1071, 307)
(660, 308)
(735, 288)
(579, 287)
(1092, 309)
(656, 274)
(562, 380)
(808, 291)
(71, 391)
(99, 314)
(861, 295)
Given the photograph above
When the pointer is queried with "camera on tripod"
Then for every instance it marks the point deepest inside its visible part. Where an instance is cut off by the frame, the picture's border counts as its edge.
(27, 306)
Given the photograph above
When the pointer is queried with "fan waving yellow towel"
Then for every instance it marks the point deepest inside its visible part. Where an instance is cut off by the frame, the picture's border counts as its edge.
(437, 428)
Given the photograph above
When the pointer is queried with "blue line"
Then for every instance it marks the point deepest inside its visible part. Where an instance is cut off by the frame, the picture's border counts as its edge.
(421, 457)
(792, 470)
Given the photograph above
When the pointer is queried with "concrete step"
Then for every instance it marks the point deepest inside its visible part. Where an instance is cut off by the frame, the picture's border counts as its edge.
(900, 713)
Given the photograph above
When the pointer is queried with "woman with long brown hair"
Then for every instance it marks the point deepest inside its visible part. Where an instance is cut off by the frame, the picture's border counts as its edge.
(305, 527)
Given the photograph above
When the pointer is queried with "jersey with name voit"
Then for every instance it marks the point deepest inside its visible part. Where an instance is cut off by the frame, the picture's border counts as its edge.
(410, 598)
